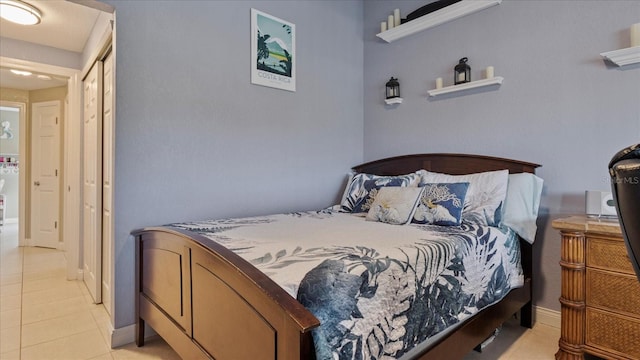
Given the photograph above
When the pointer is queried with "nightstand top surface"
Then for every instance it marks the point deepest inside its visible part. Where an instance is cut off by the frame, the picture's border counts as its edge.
(588, 224)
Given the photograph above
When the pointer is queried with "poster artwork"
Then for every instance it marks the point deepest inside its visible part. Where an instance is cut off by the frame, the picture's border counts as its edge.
(272, 51)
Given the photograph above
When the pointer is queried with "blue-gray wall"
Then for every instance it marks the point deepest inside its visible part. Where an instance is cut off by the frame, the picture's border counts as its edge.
(560, 104)
(195, 139)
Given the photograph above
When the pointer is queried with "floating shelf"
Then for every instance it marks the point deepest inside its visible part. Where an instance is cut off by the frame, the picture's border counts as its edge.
(395, 100)
(466, 86)
(446, 14)
(623, 57)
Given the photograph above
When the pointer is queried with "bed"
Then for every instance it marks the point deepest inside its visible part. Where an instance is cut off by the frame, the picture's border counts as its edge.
(203, 298)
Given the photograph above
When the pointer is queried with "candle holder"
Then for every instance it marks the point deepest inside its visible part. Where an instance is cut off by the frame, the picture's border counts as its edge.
(393, 88)
(393, 92)
(462, 72)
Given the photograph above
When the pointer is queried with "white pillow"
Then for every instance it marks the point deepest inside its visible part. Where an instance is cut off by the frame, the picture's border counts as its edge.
(485, 196)
(520, 210)
(394, 205)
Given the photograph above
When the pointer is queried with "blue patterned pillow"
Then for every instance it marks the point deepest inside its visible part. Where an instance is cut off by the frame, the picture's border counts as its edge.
(363, 188)
(441, 204)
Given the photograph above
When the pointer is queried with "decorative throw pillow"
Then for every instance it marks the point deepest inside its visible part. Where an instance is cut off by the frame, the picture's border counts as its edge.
(362, 189)
(485, 196)
(394, 205)
(441, 204)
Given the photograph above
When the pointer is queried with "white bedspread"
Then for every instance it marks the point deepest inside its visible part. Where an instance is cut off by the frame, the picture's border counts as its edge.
(378, 289)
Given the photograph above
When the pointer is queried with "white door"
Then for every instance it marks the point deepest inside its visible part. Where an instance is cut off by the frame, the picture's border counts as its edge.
(92, 182)
(107, 180)
(45, 174)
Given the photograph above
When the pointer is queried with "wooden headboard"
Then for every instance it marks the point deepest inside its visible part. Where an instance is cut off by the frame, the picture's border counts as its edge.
(454, 164)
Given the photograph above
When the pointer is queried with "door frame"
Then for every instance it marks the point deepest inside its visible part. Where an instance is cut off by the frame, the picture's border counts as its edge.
(71, 198)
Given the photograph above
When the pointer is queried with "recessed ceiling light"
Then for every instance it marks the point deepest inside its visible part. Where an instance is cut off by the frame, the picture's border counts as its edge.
(44, 77)
(19, 12)
(21, 72)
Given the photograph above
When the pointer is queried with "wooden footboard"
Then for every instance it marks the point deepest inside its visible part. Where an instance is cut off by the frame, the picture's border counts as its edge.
(208, 303)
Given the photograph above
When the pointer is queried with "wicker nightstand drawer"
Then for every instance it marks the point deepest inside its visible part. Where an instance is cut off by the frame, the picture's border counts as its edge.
(612, 333)
(609, 255)
(613, 291)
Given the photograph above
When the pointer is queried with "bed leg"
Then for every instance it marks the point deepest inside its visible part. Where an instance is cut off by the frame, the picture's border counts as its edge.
(140, 332)
(526, 315)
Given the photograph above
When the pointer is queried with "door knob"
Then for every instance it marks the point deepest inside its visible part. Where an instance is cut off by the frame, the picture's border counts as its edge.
(36, 183)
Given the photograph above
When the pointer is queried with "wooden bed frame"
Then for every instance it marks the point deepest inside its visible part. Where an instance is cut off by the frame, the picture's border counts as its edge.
(207, 302)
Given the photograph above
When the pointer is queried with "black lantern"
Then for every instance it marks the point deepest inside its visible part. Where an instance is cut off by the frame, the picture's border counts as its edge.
(393, 88)
(462, 72)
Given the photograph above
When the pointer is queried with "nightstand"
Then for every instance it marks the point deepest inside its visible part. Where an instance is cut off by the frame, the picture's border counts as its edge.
(600, 297)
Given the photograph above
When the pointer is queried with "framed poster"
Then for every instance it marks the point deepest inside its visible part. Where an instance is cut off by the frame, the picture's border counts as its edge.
(273, 51)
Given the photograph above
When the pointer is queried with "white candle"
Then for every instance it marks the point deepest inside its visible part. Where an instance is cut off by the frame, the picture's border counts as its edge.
(635, 35)
(461, 77)
(383, 26)
(489, 72)
(396, 17)
(390, 22)
(439, 83)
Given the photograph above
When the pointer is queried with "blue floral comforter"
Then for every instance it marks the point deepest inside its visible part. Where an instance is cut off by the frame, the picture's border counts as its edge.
(377, 289)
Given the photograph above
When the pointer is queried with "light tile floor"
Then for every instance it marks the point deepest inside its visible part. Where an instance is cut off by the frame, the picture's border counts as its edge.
(45, 316)
(517, 343)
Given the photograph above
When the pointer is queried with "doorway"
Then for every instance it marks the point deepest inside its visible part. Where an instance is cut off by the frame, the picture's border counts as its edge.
(70, 96)
(12, 143)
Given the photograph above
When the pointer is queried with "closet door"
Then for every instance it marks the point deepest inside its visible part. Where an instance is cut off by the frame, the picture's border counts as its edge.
(107, 182)
(92, 182)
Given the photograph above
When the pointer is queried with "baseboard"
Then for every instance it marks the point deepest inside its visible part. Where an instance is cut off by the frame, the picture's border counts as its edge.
(547, 316)
(122, 336)
(76, 274)
(126, 335)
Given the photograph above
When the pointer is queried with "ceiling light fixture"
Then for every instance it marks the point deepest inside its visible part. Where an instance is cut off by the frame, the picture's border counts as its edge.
(21, 72)
(19, 12)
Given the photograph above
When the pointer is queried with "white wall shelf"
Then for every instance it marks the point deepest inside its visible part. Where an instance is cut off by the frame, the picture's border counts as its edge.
(623, 57)
(446, 14)
(467, 86)
(395, 100)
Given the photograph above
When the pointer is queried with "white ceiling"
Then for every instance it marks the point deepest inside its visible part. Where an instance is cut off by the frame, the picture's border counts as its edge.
(65, 25)
(13, 81)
